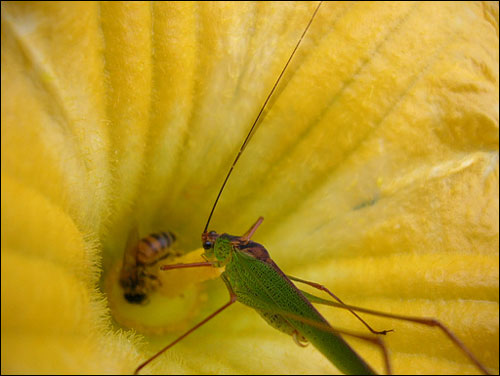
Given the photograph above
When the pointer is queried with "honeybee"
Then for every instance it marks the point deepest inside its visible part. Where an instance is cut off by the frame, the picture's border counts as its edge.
(137, 277)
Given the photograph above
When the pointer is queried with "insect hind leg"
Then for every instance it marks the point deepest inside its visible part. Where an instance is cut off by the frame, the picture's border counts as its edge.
(323, 288)
(432, 322)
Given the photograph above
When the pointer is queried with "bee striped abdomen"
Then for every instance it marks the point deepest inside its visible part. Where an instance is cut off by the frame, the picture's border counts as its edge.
(154, 247)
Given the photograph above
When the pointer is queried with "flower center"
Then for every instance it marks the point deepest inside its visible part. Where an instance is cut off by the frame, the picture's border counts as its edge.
(169, 299)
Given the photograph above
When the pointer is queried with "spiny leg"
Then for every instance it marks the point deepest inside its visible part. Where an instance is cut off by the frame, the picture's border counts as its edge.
(418, 320)
(232, 299)
(323, 288)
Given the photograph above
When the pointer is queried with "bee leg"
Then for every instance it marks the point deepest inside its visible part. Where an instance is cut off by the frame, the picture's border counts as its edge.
(154, 279)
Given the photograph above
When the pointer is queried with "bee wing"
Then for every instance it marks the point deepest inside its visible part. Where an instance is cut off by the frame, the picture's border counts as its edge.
(129, 256)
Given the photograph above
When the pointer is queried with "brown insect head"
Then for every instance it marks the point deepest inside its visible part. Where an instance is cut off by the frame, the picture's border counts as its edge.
(208, 239)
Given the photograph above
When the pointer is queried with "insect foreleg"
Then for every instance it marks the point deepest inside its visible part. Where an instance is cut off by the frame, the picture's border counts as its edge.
(323, 288)
(232, 299)
(181, 266)
(418, 320)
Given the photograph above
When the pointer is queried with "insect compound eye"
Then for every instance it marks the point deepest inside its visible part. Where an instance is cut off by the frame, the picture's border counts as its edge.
(207, 245)
(212, 233)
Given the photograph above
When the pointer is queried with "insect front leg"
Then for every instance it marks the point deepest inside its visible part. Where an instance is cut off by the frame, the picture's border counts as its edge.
(232, 299)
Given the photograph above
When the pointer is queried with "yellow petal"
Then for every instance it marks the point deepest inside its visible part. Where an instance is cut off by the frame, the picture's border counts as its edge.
(375, 167)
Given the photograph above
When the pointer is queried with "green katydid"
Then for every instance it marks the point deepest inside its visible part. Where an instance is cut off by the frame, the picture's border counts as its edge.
(253, 278)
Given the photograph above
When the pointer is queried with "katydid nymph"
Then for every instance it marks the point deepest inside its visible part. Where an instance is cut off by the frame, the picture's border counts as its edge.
(254, 279)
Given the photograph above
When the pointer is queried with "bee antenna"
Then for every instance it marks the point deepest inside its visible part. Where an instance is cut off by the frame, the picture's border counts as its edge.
(254, 125)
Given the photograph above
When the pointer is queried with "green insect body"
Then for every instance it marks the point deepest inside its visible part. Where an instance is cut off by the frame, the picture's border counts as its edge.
(259, 283)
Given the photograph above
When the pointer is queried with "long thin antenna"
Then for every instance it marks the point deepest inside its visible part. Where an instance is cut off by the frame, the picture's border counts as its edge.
(252, 130)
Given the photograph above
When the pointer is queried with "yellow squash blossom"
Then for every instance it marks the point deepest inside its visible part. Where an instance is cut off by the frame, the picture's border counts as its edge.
(375, 167)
